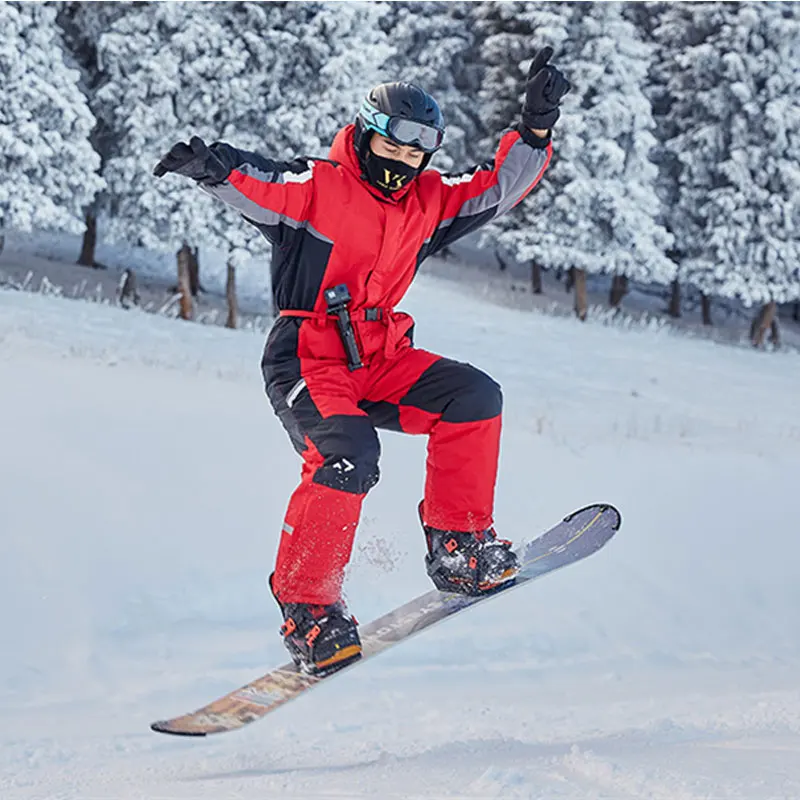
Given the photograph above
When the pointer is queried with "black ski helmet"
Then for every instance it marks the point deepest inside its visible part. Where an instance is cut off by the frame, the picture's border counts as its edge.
(385, 109)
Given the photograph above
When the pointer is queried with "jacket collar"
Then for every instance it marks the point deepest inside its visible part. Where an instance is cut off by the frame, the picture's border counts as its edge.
(343, 151)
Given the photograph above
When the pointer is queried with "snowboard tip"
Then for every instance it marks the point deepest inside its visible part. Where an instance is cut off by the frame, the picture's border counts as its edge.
(163, 726)
(602, 508)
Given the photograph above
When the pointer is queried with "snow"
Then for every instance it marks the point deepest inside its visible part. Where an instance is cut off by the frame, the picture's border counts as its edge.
(143, 480)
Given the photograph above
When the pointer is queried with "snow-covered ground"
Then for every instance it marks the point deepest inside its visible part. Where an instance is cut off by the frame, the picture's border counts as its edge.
(143, 481)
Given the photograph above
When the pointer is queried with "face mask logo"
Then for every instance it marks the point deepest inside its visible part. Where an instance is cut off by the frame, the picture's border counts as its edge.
(388, 174)
(392, 181)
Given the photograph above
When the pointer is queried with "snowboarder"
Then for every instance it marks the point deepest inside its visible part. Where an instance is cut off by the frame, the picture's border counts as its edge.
(348, 236)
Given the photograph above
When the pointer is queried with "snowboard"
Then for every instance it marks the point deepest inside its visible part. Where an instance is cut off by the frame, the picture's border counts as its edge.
(577, 536)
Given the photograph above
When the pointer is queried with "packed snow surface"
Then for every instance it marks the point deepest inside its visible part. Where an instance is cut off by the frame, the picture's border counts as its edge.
(143, 480)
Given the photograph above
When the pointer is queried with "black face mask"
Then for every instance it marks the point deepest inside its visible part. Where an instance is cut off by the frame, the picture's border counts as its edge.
(387, 174)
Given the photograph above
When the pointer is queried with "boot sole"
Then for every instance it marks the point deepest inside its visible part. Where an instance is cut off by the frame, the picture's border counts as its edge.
(454, 584)
(506, 577)
(341, 659)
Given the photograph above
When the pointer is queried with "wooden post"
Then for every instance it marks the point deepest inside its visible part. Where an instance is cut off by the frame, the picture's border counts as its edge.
(184, 285)
(581, 300)
(128, 294)
(86, 258)
(536, 277)
(705, 303)
(763, 322)
(230, 293)
(775, 332)
(619, 288)
(194, 271)
(674, 308)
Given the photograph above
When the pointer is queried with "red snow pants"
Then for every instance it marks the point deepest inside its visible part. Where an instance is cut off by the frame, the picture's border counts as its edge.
(331, 415)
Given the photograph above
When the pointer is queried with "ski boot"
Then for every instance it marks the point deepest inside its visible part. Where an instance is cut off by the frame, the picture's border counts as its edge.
(320, 639)
(469, 563)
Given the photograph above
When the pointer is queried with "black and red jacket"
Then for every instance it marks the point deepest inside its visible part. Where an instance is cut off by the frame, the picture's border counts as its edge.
(328, 226)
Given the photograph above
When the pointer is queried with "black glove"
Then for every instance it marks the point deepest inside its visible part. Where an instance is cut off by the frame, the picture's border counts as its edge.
(545, 87)
(194, 160)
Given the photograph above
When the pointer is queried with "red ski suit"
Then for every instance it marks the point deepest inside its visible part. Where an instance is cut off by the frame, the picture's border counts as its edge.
(328, 226)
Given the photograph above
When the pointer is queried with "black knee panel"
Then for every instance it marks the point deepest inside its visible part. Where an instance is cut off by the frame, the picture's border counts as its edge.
(480, 398)
(351, 449)
(457, 391)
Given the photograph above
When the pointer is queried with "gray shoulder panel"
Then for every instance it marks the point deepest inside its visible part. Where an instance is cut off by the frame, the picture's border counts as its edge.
(522, 166)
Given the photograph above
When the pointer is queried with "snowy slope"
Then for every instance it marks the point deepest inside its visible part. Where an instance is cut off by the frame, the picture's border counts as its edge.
(143, 481)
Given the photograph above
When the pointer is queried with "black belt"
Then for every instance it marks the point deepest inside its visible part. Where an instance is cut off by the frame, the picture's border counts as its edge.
(370, 314)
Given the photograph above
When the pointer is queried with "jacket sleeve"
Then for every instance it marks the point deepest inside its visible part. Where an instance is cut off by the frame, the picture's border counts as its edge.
(473, 198)
(264, 191)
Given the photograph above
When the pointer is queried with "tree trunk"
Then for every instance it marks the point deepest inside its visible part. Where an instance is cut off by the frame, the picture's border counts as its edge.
(775, 333)
(128, 294)
(619, 288)
(194, 271)
(705, 303)
(795, 315)
(501, 262)
(674, 308)
(536, 277)
(2, 241)
(581, 301)
(230, 293)
(89, 241)
(763, 322)
(184, 281)
(570, 281)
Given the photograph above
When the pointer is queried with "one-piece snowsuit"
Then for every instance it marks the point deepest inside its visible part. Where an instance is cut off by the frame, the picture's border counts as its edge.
(328, 226)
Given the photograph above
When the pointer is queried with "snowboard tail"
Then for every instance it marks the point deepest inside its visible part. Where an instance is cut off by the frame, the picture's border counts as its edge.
(577, 536)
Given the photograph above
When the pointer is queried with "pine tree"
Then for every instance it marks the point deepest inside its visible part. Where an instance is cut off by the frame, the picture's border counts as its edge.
(82, 25)
(739, 152)
(667, 28)
(510, 34)
(49, 170)
(436, 48)
(598, 210)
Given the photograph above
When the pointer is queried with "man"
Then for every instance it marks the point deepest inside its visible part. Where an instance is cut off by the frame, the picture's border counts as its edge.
(348, 236)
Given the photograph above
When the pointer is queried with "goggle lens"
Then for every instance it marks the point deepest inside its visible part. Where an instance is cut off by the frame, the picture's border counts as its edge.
(406, 131)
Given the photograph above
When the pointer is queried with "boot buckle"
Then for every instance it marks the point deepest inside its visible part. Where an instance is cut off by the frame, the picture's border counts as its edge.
(312, 635)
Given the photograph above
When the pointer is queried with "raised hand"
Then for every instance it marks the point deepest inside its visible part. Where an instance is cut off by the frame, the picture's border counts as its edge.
(545, 87)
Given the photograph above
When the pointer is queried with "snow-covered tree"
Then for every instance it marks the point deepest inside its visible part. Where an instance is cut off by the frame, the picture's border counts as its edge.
(738, 96)
(273, 77)
(667, 27)
(599, 210)
(48, 169)
(509, 35)
(436, 47)
(83, 24)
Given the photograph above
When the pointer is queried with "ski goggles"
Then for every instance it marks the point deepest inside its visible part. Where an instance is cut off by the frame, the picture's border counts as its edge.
(401, 130)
